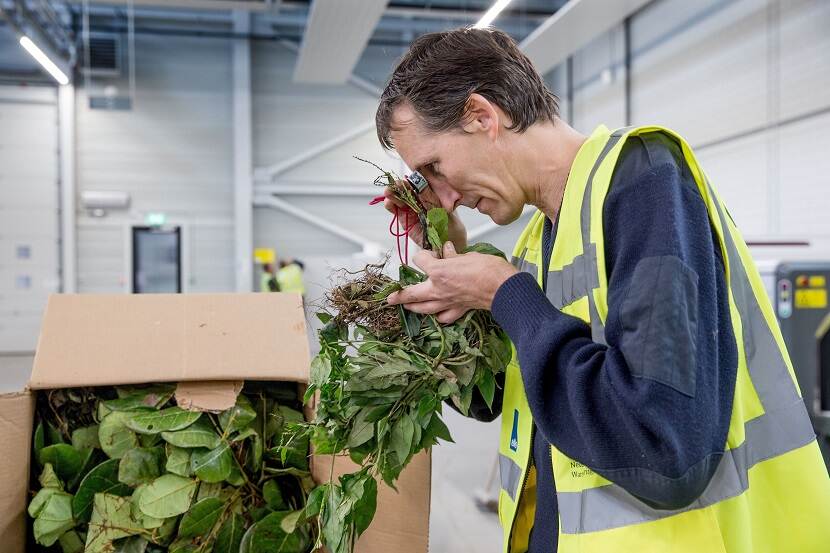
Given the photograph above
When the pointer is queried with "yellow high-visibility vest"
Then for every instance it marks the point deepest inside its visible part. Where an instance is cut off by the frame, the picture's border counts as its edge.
(290, 279)
(770, 492)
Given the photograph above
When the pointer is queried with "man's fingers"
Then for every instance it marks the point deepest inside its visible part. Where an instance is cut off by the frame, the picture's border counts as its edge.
(450, 315)
(412, 294)
(449, 250)
(426, 307)
(426, 260)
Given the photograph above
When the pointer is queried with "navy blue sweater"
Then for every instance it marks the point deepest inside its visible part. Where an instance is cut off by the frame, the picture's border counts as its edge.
(650, 411)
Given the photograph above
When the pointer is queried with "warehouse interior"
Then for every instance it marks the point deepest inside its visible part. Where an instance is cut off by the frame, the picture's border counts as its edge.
(172, 139)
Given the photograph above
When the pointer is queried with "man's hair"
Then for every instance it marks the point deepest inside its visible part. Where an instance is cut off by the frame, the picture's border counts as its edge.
(441, 70)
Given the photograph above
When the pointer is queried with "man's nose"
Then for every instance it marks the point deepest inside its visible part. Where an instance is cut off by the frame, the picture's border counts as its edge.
(447, 197)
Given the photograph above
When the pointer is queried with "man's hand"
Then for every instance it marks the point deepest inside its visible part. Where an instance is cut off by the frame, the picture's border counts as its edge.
(456, 284)
(457, 232)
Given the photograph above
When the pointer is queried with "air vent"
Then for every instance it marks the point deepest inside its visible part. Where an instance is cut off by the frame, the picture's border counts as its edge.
(104, 56)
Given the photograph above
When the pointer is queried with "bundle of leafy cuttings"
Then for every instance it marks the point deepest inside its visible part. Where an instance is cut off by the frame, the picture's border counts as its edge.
(126, 470)
(382, 376)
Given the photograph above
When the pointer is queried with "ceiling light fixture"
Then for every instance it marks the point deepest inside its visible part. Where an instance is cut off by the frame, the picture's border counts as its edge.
(491, 14)
(43, 60)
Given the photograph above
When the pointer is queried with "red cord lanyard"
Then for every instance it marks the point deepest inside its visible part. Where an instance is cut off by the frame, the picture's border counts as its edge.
(399, 233)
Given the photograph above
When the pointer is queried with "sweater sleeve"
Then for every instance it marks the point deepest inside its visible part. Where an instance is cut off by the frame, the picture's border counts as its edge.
(650, 410)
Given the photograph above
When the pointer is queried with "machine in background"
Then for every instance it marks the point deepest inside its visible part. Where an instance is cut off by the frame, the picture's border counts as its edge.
(800, 297)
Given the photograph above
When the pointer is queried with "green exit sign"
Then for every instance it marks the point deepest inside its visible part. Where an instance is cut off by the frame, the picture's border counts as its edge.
(155, 219)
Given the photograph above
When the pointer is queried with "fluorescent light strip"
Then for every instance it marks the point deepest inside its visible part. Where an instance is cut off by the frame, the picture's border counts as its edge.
(491, 14)
(43, 60)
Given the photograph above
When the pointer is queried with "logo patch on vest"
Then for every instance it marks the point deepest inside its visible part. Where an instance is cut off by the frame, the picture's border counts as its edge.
(514, 435)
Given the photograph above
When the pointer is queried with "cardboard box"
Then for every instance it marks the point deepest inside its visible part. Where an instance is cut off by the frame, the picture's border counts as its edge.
(208, 342)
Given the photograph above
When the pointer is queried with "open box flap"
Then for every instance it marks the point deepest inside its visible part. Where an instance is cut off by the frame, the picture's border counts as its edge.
(97, 340)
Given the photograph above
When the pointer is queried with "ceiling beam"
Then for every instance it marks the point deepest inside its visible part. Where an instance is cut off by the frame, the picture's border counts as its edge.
(572, 27)
(250, 5)
(335, 36)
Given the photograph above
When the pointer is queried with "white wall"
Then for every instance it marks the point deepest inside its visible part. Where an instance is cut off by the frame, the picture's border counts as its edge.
(730, 78)
(29, 200)
(172, 152)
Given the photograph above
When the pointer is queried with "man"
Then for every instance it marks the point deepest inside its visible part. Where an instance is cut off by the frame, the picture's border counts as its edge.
(650, 405)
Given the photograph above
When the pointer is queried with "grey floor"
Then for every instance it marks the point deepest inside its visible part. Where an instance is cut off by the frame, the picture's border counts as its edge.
(460, 474)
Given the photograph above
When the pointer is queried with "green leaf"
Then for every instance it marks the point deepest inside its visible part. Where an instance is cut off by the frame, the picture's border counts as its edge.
(53, 435)
(296, 454)
(198, 434)
(268, 535)
(39, 500)
(90, 459)
(238, 416)
(65, 460)
(147, 522)
(201, 517)
(439, 220)
(230, 535)
(235, 478)
(462, 401)
(133, 544)
(39, 439)
(178, 461)
(54, 518)
(487, 386)
(365, 503)
(71, 542)
(245, 542)
(167, 496)
(362, 431)
(152, 395)
(86, 438)
(48, 478)
(212, 465)
(485, 248)
(408, 275)
(323, 316)
(401, 438)
(101, 479)
(314, 502)
(165, 533)
(319, 371)
(166, 420)
(387, 289)
(183, 546)
(111, 520)
(140, 466)
(438, 428)
(273, 495)
(207, 489)
(411, 322)
(291, 521)
(116, 439)
(333, 525)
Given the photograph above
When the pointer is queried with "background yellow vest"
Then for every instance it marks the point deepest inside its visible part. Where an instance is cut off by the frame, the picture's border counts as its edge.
(771, 491)
(290, 279)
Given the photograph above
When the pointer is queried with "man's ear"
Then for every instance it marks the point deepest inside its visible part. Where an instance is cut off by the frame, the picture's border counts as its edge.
(480, 115)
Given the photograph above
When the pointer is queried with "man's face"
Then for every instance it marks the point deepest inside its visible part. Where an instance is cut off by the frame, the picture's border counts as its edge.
(463, 168)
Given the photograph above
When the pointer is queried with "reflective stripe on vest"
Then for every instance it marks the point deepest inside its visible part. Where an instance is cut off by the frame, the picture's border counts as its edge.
(783, 427)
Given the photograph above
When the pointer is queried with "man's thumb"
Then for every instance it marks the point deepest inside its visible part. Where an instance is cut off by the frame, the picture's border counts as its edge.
(449, 249)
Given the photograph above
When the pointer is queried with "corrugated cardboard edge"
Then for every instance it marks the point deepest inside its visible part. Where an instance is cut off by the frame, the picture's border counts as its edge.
(16, 421)
(402, 517)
